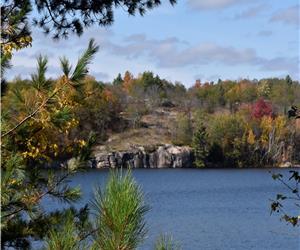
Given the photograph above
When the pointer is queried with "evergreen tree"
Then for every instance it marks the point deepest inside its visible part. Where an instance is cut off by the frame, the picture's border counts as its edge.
(120, 214)
(62, 18)
(118, 220)
(23, 186)
(118, 80)
(288, 80)
(200, 146)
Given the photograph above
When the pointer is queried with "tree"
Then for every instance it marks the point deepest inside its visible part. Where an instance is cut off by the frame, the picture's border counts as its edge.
(200, 146)
(120, 214)
(98, 110)
(183, 130)
(61, 18)
(288, 199)
(23, 186)
(15, 32)
(275, 140)
(233, 96)
(283, 93)
(127, 81)
(226, 135)
(261, 108)
(248, 91)
(147, 80)
(288, 80)
(118, 80)
(264, 88)
(117, 219)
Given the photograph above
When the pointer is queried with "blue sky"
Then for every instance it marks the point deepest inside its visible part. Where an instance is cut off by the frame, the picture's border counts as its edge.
(195, 39)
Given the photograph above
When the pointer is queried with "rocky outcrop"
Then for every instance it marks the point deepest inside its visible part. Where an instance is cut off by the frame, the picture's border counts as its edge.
(165, 156)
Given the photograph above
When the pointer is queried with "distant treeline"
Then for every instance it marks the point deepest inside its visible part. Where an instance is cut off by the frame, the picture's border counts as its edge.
(233, 123)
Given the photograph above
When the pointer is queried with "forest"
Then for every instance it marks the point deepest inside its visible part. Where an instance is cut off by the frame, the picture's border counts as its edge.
(241, 123)
(244, 123)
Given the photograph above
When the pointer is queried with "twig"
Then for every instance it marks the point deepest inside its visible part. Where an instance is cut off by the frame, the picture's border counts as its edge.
(39, 197)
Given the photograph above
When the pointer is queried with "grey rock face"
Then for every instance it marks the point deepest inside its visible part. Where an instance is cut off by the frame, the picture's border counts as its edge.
(165, 156)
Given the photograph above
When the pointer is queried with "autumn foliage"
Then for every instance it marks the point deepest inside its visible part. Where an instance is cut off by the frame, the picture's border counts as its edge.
(261, 108)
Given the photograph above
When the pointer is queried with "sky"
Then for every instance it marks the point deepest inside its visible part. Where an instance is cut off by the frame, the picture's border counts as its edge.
(195, 39)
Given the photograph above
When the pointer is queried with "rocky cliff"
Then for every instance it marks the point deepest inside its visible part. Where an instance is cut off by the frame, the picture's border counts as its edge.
(163, 156)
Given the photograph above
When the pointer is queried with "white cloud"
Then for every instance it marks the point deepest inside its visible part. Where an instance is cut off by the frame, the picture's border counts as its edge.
(101, 35)
(213, 4)
(252, 12)
(287, 16)
(174, 53)
(99, 75)
(203, 5)
(265, 33)
(281, 64)
(25, 71)
(168, 54)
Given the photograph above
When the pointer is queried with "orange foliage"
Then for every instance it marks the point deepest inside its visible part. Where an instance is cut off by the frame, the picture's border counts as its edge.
(108, 96)
(127, 82)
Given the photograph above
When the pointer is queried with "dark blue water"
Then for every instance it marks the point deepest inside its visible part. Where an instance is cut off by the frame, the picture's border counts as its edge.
(208, 209)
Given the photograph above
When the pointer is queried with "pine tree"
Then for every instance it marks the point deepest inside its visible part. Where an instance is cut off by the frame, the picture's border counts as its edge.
(23, 186)
(62, 18)
(120, 213)
(288, 80)
(118, 80)
(200, 146)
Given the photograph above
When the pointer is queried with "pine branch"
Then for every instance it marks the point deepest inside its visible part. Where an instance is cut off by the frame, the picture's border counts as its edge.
(39, 79)
(32, 114)
(81, 70)
(66, 66)
(63, 178)
(79, 73)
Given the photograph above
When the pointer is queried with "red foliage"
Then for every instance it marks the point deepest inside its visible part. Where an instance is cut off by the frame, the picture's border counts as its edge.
(261, 108)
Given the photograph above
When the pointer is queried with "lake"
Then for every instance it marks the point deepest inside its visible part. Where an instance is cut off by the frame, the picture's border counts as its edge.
(208, 209)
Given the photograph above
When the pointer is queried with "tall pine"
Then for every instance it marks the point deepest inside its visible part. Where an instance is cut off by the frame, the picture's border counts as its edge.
(199, 145)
